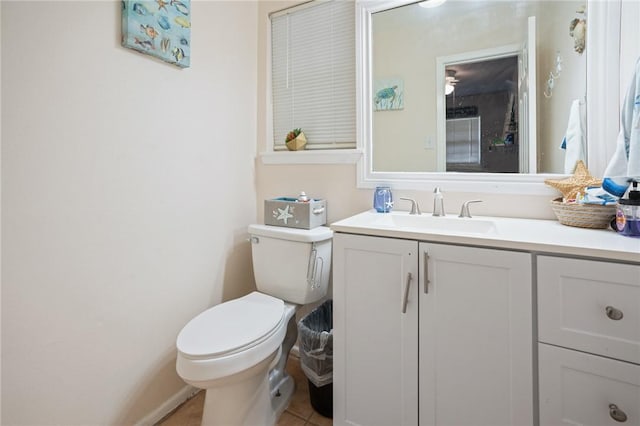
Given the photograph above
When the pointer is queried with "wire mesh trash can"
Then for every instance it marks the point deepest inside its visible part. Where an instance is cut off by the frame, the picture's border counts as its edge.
(315, 333)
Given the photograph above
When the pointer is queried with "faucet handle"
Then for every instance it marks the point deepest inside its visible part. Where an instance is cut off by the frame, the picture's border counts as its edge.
(464, 211)
(438, 202)
(415, 208)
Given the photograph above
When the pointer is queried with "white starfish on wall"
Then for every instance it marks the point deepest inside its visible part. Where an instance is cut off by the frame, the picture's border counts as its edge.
(283, 214)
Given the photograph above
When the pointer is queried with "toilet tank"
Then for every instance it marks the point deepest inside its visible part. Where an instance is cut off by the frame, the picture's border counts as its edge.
(291, 264)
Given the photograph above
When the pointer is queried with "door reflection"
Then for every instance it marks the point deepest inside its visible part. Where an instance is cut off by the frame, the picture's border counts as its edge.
(482, 116)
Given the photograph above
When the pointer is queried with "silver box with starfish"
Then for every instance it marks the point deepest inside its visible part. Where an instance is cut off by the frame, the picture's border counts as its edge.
(291, 213)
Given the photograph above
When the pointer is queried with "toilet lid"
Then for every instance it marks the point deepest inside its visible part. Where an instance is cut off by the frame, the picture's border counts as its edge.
(231, 325)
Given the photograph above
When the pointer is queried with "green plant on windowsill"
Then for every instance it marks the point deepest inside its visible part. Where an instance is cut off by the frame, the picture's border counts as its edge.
(295, 140)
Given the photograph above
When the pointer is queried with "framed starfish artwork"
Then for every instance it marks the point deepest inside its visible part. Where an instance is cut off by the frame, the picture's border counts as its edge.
(160, 28)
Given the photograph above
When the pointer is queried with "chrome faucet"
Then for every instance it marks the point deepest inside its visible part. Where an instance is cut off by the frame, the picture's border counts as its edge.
(415, 208)
(464, 211)
(438, 202)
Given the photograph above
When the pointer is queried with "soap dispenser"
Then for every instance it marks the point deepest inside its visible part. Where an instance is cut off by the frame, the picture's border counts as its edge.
(628, 212)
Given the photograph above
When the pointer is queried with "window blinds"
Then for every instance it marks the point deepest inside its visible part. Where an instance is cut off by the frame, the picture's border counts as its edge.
(313, 74)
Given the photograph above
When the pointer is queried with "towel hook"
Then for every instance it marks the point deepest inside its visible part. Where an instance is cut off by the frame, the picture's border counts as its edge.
(553, 75)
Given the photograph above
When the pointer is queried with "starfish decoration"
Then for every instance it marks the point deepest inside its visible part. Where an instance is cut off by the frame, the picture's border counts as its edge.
(283, 214)
(162, 4)
(571, 186)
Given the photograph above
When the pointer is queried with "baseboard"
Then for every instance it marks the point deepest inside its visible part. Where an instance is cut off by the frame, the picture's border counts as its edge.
(168, 406)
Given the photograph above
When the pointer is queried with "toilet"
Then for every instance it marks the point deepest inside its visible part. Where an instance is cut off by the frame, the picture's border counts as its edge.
(238, 350)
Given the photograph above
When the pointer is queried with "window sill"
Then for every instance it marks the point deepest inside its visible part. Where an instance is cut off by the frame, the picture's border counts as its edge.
(326, 156)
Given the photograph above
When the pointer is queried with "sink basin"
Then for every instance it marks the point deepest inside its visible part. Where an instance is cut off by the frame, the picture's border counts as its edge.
(448, 224)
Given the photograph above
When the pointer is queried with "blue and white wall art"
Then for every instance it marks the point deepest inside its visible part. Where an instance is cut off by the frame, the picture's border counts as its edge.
(388, 94)
(158, 28)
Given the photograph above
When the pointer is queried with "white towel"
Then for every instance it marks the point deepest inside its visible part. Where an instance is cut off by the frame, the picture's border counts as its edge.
(574, 140)
(625, 162)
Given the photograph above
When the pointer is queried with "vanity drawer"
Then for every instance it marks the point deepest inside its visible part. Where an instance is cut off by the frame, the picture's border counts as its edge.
(590, 306)
(579, 389)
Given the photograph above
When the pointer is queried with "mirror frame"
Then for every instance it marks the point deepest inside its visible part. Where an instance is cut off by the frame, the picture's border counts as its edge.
(603, 106)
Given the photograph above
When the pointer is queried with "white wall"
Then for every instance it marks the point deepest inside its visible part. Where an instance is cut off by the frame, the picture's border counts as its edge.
(127, 186)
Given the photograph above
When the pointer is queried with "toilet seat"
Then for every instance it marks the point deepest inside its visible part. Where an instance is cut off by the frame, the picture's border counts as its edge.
(231, 327)
(206, 365)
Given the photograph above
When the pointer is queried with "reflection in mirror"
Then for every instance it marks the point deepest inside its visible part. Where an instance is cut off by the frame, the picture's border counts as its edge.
(482, 106)
(487, 123)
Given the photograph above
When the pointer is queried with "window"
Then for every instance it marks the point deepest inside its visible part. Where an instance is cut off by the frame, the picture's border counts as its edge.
(463, 142)
(313, 74)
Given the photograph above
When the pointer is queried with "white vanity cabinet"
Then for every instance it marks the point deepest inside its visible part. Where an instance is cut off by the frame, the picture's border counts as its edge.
(454, 348)
(589, 342)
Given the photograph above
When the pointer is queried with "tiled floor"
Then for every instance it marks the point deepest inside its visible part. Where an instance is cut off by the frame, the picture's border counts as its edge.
(299, 413)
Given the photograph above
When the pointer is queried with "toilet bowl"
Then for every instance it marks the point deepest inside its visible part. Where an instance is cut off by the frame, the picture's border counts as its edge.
(238, 350)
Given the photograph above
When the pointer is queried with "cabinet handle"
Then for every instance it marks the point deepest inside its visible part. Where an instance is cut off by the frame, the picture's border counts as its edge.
(617, 414)
(613, 313)
(406, 293)
(426, 272)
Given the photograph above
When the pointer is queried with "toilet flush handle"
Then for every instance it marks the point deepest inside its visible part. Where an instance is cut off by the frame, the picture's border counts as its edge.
(312, 267)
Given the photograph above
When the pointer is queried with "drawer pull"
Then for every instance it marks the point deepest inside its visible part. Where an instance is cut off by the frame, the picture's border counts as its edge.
(613, 313)
(617, 414)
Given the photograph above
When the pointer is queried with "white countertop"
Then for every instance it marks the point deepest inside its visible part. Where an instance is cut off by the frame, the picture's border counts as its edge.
(548, 236)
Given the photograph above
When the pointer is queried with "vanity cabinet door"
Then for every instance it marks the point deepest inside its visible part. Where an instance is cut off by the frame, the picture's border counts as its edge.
(577, 388)
(375, 309)
(476, 338)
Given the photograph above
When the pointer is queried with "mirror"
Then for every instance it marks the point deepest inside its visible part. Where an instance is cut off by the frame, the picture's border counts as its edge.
(415, 51)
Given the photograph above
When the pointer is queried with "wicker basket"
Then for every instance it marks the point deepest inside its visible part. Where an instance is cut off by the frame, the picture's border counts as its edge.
(583, 215)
